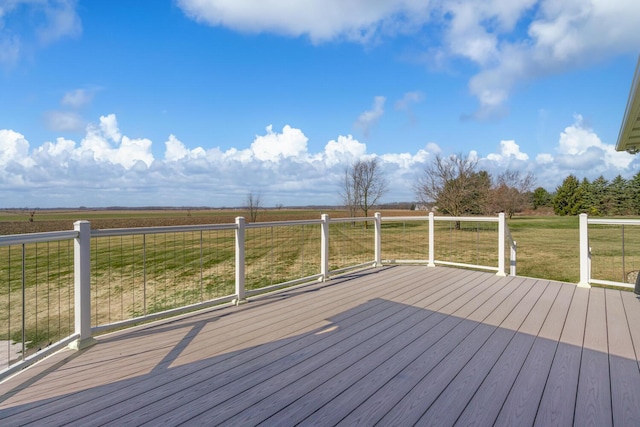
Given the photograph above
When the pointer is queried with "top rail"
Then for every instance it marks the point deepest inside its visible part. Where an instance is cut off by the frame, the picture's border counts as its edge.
(405, 218)
(48, 236)
(441, 218)
(604, 221)
(467, 218)
(350, 219)
(111, 232)
(283, 223)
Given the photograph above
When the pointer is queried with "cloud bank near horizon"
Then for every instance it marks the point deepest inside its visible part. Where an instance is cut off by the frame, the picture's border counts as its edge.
(108, 168)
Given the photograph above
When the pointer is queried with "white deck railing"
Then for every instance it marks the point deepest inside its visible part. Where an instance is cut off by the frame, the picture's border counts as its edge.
(113, 278)
(609, 251)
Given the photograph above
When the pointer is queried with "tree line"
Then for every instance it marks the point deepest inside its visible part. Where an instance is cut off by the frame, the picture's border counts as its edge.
(599, 197)
(454, 186)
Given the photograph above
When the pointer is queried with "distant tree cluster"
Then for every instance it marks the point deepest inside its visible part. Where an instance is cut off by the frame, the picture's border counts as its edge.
(457, 188)
(598, 197)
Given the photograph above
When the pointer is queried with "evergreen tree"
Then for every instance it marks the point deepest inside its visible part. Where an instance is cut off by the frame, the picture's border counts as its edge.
(634, 192)
(601, 200)
(619, 195)
(541, 198)
(585, 200)
(567, 195)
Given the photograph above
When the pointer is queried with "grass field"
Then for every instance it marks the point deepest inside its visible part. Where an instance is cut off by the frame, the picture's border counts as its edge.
(143, 274)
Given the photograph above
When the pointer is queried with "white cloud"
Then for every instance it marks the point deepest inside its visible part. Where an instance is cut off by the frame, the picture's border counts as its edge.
(77, 98)
(64, 121)
(579, 151)
(276, 163)
(344, 150)
(10, 48)
(432, 147)
(408, 100)
(49, 21)
(369, 118)
(563, 35)
(60, 151)
(70, 120)
(511, 42)
(320, 20)
(109, 127)
(126, 152)
(406, 103)
(106, 170)
(60, 19)
(175, 149)
(509, 150)
(579, 141)
(13, 148)
(544, 158)
(274, 146)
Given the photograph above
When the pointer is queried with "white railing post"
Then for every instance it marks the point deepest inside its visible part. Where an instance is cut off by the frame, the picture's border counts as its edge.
(378, 239)
(240, 294)
(512, 258)
(501, 238)
(82, 285)
(585, 270)
(432, 240)
(324, 248)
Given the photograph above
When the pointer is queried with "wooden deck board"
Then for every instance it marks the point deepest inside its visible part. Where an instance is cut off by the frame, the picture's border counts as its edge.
(593, 403)
(395, 345)
(557, 405)
(488, 400)
(624, 373)
(631, 304)
(529, 385)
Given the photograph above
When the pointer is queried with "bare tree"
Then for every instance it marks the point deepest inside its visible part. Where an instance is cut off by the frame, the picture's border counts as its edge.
(363, 186)
(348, 192)
(511, 192)
(254, 203)
(453, 184)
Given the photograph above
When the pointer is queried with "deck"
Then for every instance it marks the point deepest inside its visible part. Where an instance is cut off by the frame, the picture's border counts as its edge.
(398, 345)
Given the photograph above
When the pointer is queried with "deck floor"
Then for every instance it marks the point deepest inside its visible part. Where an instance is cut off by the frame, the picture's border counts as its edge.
(399, 345)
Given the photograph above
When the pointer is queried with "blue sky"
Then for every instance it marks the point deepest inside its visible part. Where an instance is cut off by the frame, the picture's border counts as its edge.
(197, 103)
